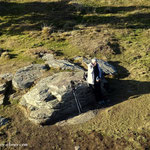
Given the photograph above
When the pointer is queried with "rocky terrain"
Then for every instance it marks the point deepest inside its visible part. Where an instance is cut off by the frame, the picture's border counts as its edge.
(50, 99)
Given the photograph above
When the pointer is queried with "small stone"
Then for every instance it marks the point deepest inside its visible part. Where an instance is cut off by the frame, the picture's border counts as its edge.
(48, 57)
(78, 58)
(6, 76)
(5, 55)
(3, 121)
(77, 147)
(2, 88)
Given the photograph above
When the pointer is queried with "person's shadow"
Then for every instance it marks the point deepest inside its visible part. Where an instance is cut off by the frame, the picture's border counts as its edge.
(127, 89)
(121, 90)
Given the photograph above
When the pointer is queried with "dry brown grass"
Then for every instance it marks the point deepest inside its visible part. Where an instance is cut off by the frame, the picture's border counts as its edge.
(47, 30)
(96, 41)
(22, 131)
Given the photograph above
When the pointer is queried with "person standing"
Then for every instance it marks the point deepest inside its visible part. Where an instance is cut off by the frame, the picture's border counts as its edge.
(94, 78)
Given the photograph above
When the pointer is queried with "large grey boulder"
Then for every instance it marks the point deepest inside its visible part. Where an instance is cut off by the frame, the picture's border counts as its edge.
(59, 64)
(106, 67)
(52, 99)
(25, 77)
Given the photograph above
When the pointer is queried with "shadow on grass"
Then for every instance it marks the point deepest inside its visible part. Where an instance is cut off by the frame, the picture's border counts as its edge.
(11, 56)
(121, 89)
(121, 71)
(127, 89)
(62, 15)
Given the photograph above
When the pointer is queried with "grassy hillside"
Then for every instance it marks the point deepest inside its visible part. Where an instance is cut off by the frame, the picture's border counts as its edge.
(117, 31)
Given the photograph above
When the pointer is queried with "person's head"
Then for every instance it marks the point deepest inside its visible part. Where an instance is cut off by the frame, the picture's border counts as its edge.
(94, 61)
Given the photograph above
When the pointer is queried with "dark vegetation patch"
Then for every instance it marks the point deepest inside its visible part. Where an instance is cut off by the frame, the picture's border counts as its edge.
(29, 16)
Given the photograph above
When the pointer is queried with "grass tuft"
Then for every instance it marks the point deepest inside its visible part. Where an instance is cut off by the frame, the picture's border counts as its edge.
(46, 30)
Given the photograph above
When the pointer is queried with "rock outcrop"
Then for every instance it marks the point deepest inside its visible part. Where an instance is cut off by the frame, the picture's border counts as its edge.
(60, 64)
(49, 59)
(106, 67)
(52, 99)
(25, 77)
